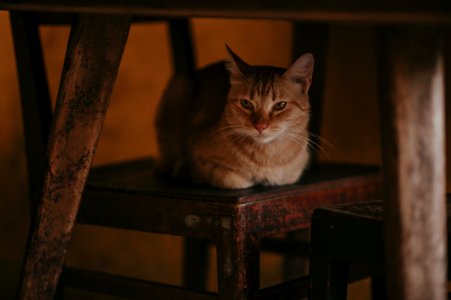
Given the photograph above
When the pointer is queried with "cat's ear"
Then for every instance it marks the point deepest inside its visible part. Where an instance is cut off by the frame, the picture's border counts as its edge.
(301, 71)
(236, 66)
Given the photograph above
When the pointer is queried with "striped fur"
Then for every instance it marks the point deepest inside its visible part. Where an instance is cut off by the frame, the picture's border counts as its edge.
(233, 125)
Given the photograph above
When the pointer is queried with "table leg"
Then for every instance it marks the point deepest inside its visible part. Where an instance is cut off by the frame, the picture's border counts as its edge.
(412, 106)
(92, 60)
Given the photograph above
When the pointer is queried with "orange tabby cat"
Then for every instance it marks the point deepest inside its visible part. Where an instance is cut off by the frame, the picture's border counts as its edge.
(233, 125)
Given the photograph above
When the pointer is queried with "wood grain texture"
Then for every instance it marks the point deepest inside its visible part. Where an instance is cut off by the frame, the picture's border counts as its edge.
(92, 60)
(238, 255)
(400, 11)
(414, 162)
(129, 195)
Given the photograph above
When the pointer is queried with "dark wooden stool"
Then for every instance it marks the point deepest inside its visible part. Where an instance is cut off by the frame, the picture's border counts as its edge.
(343, 237)
(235, 221)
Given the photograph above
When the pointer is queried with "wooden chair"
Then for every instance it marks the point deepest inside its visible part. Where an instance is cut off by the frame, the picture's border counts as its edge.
(342, 237)
(130, 196)
(345, 237)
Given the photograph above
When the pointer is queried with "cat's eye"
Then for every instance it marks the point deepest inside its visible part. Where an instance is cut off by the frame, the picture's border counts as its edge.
(280, 105)
(246, 103)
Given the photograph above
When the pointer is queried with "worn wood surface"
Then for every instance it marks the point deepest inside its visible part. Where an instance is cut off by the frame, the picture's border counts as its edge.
(412, 90)
(238, 255)
(92, 60)
(400, 11)
(129, 195)
(140, 177)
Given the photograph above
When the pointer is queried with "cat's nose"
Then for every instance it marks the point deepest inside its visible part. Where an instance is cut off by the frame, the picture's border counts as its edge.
(260, 126)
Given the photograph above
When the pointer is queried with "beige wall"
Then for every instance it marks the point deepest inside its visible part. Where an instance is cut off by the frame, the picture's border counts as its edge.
(350, 125)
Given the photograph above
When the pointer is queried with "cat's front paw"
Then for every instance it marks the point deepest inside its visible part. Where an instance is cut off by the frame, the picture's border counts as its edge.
(231, 180)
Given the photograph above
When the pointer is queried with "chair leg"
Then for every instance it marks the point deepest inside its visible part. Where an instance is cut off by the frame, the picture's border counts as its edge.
(296, 263)
(195, 261)
(183, 58)
(378, 287)
(35, 97)
(311, 38)
(195, 252)
(238, 254)
(92, 60)
(328, 278)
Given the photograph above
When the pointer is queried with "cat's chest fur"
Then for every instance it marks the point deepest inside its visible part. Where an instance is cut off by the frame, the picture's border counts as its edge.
(276, 163)
(237, 126)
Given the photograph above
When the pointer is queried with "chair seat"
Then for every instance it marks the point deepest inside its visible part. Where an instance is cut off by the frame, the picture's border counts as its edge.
(354, 232)
(135, 197)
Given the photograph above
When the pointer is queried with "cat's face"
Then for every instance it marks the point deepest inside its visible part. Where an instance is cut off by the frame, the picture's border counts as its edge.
(267, 103)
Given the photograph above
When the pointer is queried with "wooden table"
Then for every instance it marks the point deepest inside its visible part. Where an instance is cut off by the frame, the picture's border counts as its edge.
(412, 105)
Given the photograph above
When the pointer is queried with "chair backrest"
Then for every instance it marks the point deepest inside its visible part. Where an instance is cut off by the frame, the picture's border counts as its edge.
(183, 57)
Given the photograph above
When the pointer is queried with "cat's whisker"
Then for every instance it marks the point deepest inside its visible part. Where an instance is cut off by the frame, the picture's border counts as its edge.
(223, 130)
(320, 139)
(313, 146)
(239, 138)
(230, 127)
(317, 146)
(295, 138)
